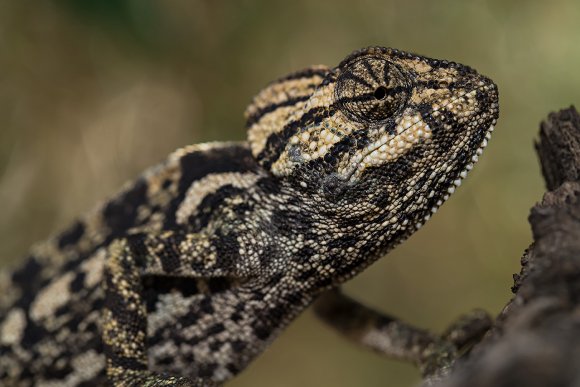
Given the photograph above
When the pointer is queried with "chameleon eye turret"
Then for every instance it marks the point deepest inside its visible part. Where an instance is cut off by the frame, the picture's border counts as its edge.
(371, 89)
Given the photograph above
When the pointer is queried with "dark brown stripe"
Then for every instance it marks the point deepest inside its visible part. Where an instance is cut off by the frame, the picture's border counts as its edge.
(386, 72)
(392, 91)
(376, 51)
(270, 108)
(122, 213)
(305, 73)
(357, 79)
(371, 72)
(277, 141)
(451, 86)
(198, 164)
(359, 98)
(72, 235)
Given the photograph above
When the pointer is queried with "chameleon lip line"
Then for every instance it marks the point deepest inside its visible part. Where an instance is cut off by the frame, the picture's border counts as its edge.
(462, 175)
(451, 188)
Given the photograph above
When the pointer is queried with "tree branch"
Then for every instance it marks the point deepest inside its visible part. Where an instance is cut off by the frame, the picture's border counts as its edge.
(535, 340)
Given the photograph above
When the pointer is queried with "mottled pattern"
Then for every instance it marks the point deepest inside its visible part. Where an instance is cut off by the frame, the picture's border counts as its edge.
(193, 269)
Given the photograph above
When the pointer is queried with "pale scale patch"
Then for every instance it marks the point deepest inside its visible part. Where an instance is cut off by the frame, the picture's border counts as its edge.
(86, 366)
(208, 185)
(443, 75)
(176, 304)
(203, 147)
(271, 122)
(431, 96)
(12, 328)
(156, 175)
(410, 130)
(93, 268)
(282, 91)
(49, 255)
(55, 295)
(327, 134)
(10, 293)
(278, 93)
(420, 66)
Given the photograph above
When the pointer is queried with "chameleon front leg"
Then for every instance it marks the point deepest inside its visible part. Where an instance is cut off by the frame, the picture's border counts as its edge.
(124, 319)
(396, 339)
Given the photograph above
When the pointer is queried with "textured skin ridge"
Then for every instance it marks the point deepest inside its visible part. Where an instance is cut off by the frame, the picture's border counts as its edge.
(188, 274)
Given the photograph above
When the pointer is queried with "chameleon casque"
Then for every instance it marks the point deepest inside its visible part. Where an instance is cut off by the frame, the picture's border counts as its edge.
(192, 269)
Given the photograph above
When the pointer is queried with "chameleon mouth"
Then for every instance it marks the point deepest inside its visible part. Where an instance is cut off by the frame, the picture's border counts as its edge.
(462, 175)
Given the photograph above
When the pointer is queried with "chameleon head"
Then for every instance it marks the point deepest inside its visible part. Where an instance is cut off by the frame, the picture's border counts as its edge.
(385, 133)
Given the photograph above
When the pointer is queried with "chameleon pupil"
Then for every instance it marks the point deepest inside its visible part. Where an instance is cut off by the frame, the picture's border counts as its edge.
(380, 92)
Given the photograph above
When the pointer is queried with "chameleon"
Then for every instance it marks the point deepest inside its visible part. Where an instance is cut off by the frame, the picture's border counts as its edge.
(193, 268)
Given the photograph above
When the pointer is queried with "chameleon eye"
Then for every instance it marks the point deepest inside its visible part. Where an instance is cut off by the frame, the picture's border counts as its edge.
(372, 89)
(380, 92)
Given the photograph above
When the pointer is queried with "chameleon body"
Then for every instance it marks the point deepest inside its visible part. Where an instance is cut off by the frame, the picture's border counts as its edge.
(192, 269)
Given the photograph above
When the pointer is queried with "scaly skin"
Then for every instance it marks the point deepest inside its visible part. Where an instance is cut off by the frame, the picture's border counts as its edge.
(189, 273)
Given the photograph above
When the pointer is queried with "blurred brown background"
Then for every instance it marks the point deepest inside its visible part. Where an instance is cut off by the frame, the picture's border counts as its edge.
(94, 91)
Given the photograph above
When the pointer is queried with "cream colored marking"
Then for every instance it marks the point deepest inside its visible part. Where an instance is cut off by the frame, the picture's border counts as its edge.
(278, 92)
(430, 95)
(272, 122)
(209, 184)
(157, 176)
(56, 294)
(13, 327)
(178, 306)
(86, 366)
(93, 268)
(48, 254)
(322, 98)
(410, 130)
(275, 120)
(448, 74)
(203, 147)
(418, 65)
(9, 293)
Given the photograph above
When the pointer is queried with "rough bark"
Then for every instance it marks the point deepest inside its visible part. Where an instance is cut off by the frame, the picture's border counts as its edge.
(535, 341)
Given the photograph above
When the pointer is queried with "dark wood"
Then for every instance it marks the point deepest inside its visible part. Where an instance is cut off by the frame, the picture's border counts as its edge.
(559, 147)
(535, 341)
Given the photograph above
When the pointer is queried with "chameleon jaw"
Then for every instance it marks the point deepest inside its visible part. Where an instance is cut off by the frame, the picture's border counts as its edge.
(409, 132)
(462, 175)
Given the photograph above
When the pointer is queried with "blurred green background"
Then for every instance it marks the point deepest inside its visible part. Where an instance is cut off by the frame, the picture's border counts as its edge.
(94, 91)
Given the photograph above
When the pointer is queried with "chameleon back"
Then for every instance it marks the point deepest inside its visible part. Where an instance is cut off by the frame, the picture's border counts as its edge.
(50, 307)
